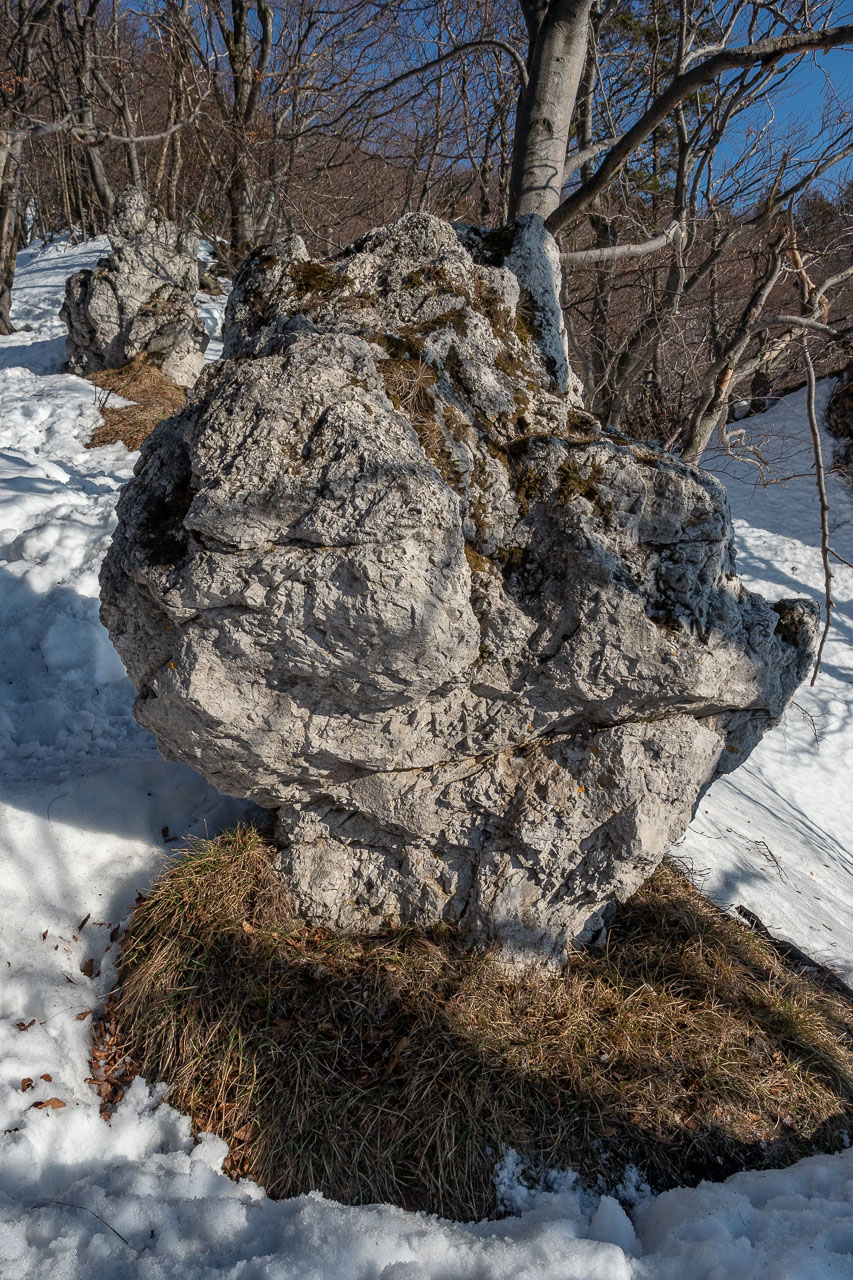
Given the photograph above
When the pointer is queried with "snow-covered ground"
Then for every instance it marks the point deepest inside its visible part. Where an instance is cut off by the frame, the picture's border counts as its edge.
(776, 836)
(88, 809)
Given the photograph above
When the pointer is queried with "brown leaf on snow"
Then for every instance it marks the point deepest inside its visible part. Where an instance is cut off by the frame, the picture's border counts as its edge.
(26, 1083)
(54, 1103)
(46, 1077)
(81, 1017)
(88, 968)
(82, 925)
(25, 1026)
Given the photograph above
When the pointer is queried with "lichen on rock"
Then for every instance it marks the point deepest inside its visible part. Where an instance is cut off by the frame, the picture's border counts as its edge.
(138, 300)
(384, 575)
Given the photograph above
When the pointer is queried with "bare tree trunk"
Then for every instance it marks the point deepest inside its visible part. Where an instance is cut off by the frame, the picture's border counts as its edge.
(820, 479)
(558, 50)
(10, 172)
(241, 206)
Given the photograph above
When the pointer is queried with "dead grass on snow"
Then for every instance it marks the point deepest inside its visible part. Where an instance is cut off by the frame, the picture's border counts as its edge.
(155, 397)
(399, 1068)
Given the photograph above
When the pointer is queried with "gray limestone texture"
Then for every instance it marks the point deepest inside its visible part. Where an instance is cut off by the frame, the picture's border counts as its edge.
(139, 299)
(384, 575)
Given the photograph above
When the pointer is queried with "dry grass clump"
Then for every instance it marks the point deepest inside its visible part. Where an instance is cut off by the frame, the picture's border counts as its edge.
(155, 397)
(409, 382)
(398, 1068)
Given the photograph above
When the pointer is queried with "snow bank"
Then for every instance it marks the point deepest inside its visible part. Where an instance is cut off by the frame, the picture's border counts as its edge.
(140, 1200)
(775, 836)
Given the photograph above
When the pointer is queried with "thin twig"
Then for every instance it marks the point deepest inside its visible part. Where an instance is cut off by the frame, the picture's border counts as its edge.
(833, 552)
(820, 476)
(41, 1204)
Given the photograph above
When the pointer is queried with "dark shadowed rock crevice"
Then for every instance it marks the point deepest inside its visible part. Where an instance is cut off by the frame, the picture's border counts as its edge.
(482, 658)
(838, 419)
(139, 299)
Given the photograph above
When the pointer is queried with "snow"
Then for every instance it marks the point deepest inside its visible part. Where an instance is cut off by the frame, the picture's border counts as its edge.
(88, 811)
(775, 836)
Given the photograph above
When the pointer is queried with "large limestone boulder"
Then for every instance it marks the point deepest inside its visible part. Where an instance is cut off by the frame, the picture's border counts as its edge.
(139, 299)
(385, 576)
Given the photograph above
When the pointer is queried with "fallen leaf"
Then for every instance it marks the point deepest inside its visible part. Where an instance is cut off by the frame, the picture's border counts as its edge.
(82, 925)
(81, 1017)
(244, 1132)
(394, 1056)
(53, 1103)
(26, 1083)
(25, 1026)
(88, 968)
(46, 1077)
(247, 928)
(44, 935)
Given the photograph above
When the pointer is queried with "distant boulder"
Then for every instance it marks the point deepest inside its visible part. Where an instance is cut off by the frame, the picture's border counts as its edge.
(384, 575)
(139, 300)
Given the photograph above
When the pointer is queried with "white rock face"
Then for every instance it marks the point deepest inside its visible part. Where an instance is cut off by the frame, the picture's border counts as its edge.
(139, 299)
(384, 575)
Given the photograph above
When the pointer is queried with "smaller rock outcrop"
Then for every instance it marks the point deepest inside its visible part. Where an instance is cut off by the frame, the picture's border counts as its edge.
(139, 299)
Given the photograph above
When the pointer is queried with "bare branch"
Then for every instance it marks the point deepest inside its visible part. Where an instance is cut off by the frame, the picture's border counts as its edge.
(577, 159)
(621, 252)
(767, 52)
(820, 476)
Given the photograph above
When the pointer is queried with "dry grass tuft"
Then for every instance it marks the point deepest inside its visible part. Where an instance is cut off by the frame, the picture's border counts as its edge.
(155, 397)
(398, 1068)
(409, 383)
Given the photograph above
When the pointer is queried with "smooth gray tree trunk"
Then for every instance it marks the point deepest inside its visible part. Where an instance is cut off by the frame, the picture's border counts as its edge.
(558, 45)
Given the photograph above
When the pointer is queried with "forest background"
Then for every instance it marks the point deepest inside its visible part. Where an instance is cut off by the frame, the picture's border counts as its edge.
(706, 220)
